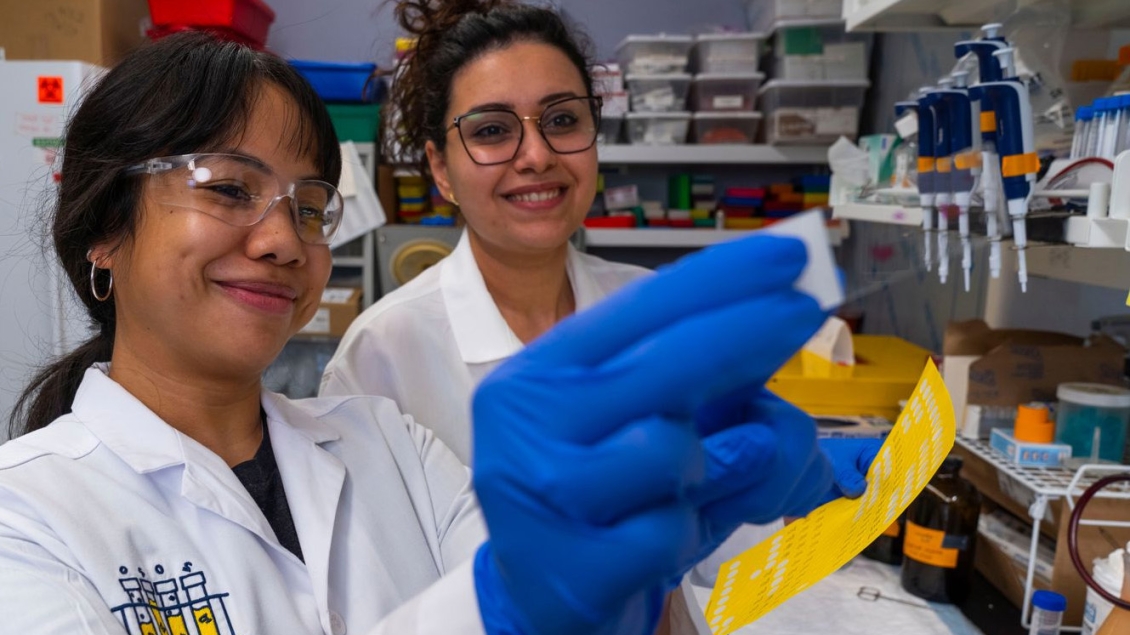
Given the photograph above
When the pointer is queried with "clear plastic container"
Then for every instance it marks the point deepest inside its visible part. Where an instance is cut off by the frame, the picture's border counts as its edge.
(1047, 613)
(728, 52)
(714, 128)
(811, 112)
(607, 79)
(658, 128)
(1108, 572)
(652, 54)
(658, 93)
(609, 133)
(762, 14)
(1092, 419)
(819, 49)
(725, 91)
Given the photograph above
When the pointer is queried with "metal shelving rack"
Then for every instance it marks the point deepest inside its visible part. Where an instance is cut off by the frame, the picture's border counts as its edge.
(1044, 485)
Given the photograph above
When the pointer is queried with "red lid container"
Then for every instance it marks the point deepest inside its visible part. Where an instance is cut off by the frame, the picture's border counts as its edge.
(247, 19)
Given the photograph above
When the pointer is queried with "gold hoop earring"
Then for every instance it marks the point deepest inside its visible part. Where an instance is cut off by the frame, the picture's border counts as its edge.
(94, 287)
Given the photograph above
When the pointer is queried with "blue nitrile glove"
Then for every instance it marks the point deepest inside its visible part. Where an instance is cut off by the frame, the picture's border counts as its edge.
(610, 452)
(851, 458)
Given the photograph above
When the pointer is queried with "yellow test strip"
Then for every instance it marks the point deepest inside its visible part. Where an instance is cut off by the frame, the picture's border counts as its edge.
(809, 549)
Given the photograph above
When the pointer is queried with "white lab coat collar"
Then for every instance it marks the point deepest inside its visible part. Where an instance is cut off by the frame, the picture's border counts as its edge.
(480, 331)
(146, 442)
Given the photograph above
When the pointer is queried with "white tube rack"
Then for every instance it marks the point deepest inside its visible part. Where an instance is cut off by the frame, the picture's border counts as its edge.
(1039, 486)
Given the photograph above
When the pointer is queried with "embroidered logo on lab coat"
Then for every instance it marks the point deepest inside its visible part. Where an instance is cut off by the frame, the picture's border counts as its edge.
(171, 603)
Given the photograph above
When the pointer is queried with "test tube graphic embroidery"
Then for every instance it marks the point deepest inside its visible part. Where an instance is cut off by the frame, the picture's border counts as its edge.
(151, 600)
(204, 612)
(145, 623)
(171, 607)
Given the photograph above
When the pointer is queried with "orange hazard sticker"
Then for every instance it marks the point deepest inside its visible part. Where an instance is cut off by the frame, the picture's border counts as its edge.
(50, 90)
(926, 546)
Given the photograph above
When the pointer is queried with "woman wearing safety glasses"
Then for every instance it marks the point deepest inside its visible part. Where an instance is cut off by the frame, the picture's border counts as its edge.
(497, 101)
(152, 486)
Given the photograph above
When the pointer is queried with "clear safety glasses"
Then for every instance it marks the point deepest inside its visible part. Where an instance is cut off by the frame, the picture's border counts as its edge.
(240, 191)
(493, 136)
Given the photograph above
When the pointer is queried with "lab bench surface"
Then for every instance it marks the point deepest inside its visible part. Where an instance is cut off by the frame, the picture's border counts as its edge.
(835, 606)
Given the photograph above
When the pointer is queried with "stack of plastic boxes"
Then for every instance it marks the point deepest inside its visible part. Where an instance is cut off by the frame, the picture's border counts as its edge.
(608, 83)
(819, 71)
(655, 70)
(724, 91)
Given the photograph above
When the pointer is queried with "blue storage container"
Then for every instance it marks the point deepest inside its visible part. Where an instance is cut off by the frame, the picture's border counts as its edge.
(339, 82)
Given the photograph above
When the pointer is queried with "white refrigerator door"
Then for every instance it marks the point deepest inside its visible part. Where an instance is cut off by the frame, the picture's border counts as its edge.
(40, 316)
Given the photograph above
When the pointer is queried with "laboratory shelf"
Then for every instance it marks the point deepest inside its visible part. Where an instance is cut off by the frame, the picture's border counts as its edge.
(680, 238)
(1104, 267)
(712, 155)
(1036, 488)
(918, 15)
(874, 213)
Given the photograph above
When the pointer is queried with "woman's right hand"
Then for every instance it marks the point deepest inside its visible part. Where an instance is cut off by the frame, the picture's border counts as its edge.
(619, 449)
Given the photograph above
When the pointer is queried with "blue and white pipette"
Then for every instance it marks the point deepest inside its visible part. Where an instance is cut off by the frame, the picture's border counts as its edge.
(1016, 145)
(990, 71)
(926, 173)
(937, 99)
(966, 162)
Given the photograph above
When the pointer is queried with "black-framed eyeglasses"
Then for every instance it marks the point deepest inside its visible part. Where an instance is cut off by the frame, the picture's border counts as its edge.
(239, 191)
(493, 136)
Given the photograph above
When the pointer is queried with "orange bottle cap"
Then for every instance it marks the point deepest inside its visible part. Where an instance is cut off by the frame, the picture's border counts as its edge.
(1032, 424)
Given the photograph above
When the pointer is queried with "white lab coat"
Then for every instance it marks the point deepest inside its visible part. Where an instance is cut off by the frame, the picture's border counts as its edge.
(111, 521)
(428, 344)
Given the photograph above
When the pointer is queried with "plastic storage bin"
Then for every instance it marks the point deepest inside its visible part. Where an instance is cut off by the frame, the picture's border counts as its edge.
(334, 81)
(819, 49)
(658, 128)
(762, 14)
(658, 93)
(250, 19)
(811, 112)
(609, 133)
(725, 91)
(713, 128)
(355, 122)
(728, 52)
(650, 54)
(1090, 414)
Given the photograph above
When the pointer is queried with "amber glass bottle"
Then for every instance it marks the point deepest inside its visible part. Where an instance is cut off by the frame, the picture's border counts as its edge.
(888, 546)
(940, 533)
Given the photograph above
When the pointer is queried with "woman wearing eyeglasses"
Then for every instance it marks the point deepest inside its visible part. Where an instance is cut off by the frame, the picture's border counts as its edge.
(497, 102)
(152, 486)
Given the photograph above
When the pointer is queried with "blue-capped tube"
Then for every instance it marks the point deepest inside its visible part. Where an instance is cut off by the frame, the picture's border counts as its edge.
(1111, 108)
(927, 136)
(1083, 117)
(1095, 132)
(1016, 144)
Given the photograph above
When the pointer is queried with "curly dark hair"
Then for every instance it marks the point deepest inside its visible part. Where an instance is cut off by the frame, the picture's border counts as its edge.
(449, 35)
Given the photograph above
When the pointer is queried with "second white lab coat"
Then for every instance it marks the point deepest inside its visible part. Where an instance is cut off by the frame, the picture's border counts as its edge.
(113, 522)
(428, 344)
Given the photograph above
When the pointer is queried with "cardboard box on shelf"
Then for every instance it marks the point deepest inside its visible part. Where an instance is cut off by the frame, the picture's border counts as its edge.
(983, 366)
(339, 307)
(95, 31)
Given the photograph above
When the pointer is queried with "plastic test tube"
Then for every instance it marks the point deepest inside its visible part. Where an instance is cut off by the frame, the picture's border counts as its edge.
(1123, 143)
(1113, 116)
(1083, 117)
(1047, 613)
(1091, 149)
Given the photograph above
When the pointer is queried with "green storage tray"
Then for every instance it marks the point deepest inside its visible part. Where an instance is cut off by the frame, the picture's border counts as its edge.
(355, 122)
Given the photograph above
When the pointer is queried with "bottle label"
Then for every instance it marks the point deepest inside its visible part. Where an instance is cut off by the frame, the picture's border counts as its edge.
(892, 531)
(932, 547)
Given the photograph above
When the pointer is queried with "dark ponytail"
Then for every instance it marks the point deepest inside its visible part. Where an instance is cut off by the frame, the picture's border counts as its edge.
(185, 93)
(450, 34)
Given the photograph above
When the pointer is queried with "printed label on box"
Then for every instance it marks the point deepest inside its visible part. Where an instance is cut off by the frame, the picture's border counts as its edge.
(728, 102)
(320, 322)
(336, 295)
(837, 121)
